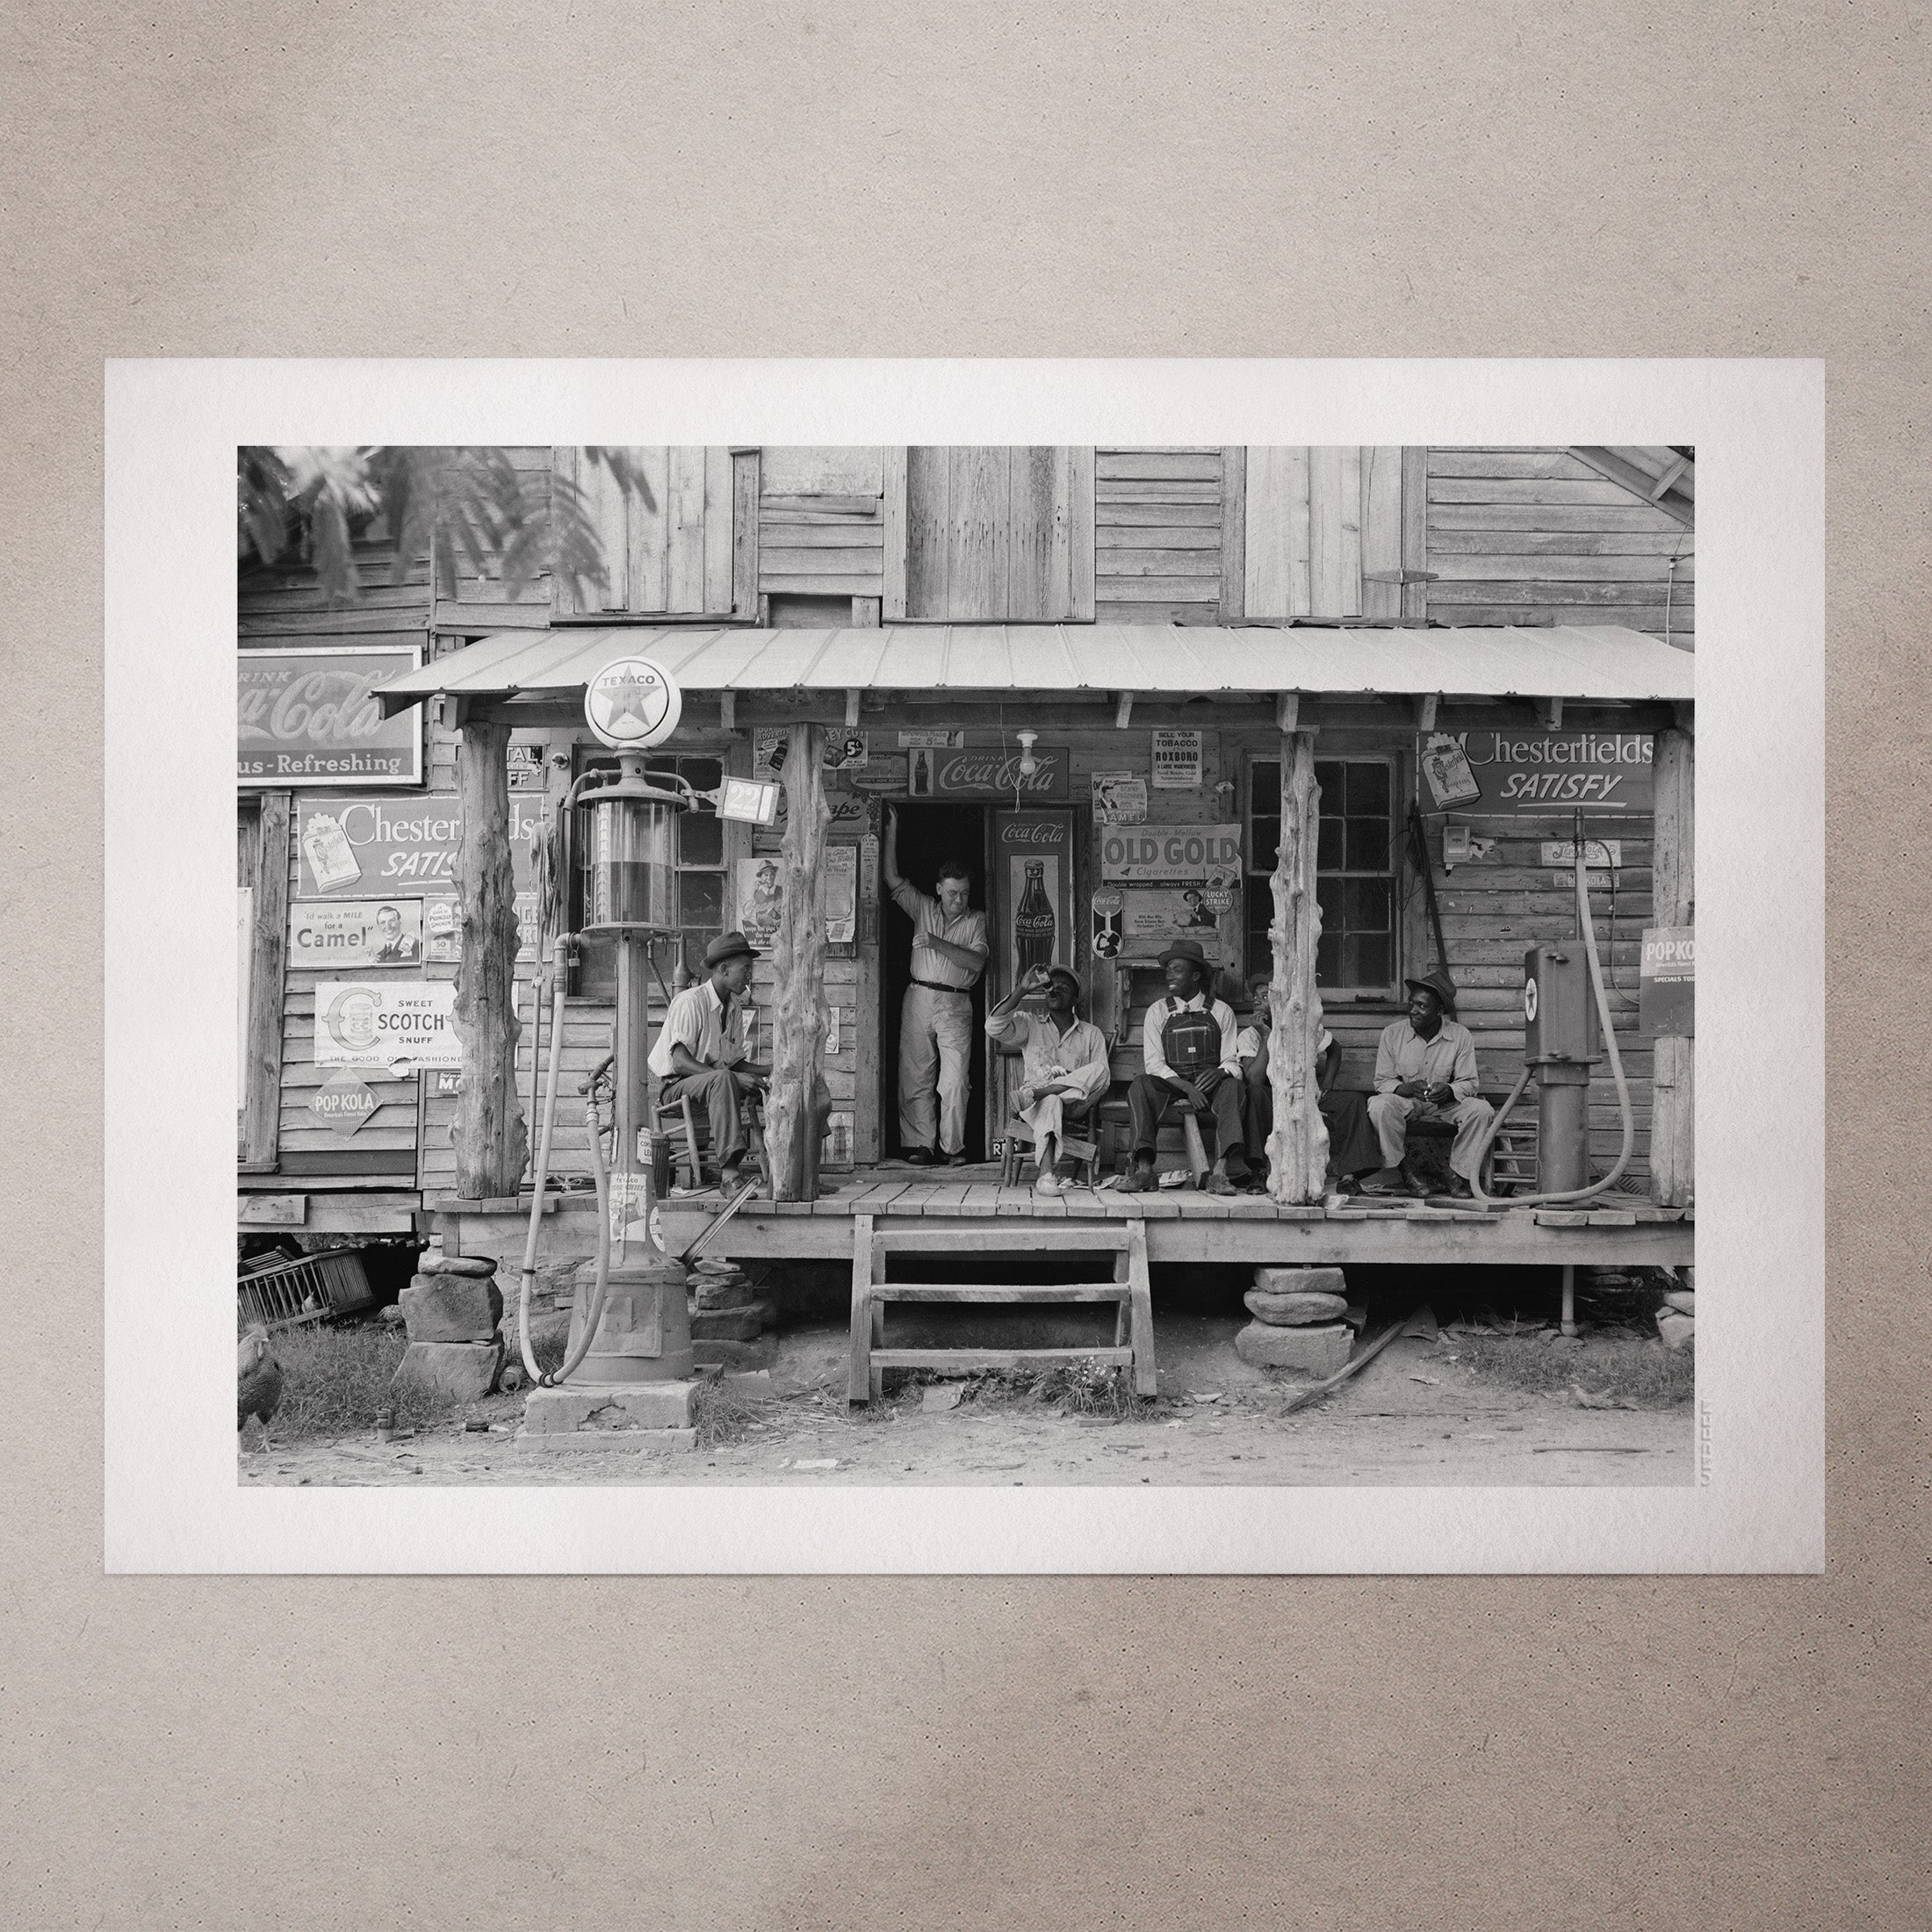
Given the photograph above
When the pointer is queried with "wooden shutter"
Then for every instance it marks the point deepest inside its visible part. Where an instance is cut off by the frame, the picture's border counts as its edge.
(991, 534)
(1316, 519)
(675, 558)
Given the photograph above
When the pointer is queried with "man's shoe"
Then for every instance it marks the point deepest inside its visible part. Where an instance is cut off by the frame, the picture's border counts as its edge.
(1047, 1184)
(1218, 1184)
(918, 1157)
(955, 1159)
(1385, 1181)
(1459, 1189)
(1140, 1179)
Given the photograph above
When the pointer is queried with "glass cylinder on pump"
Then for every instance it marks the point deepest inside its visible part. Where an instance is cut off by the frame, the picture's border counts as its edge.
(632, 863)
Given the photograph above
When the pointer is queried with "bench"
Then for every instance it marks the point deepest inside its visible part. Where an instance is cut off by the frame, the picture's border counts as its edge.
(1125, 1240)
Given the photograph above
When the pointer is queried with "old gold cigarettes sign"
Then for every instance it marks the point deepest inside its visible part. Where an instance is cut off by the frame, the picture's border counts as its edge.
(1170, 854)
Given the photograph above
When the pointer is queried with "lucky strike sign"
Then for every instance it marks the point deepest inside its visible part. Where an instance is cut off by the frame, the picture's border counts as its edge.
(309, 716)
(1164, 855)
(354, 847)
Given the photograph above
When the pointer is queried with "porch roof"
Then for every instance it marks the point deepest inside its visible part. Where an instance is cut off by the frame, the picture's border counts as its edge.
(1597, 662)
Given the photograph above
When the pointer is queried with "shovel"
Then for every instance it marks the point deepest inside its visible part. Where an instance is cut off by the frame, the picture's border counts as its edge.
(1422, 1322)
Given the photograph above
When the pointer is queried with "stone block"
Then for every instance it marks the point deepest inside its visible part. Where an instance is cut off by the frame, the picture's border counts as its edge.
(637, 1442)
(1294, 1310)
(1678, 1331)
(1313, 1351)
(726, 1325)
(466, 1371)
(1683, 1300)
(718, 1292)
(477, 1265)
(1300, 1282)
(616, 1407)
(452, 1307)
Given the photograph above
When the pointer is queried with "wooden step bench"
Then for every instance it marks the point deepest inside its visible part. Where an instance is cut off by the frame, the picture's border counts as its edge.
(1133, 1326)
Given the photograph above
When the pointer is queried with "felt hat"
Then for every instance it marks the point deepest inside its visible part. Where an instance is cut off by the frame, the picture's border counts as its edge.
(1187, 950)
(728, 946)
(1441, 985)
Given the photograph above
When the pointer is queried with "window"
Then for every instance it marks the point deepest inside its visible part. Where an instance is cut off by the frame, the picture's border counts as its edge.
(701, 892)
(1358, 853)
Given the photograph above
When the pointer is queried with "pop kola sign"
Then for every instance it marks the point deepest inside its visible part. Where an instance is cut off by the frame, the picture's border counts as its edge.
(385, 1023)
(1170, 854)
(1532, 773)
(310, 717)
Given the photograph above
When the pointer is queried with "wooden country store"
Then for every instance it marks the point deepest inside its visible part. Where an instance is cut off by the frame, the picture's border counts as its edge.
(1176, 693)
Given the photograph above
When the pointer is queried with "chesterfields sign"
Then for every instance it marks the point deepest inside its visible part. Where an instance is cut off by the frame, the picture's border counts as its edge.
(309, 716)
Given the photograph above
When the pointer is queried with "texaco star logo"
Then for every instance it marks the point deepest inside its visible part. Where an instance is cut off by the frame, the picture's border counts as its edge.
(631, 703)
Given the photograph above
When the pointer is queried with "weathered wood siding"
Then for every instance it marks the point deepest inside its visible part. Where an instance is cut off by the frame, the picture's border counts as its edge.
(1157, 535)
(1324, 528)
(821, 520)
(1533, 535)
(673, 556)
(994, 534)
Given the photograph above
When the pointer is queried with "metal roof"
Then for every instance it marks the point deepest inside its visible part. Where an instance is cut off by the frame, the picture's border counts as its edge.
(1559, 660)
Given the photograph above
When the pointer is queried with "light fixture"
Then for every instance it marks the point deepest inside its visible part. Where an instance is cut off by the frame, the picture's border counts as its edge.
(1028, 763)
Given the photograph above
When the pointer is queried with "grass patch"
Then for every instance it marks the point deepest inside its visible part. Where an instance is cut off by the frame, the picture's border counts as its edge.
(1622, 1369)
(1080, 1388)
(334, 1380)
(721, 1414)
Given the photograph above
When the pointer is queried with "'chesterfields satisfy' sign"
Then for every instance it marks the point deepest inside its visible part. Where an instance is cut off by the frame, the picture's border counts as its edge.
(1535, 773)
(309, 716)
(355, 848)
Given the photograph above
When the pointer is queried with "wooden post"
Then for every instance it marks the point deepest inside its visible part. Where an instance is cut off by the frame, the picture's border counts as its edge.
(491, 1143)
(1298, 1147)
(267, 959)
(794, 1113)
(1674, 902)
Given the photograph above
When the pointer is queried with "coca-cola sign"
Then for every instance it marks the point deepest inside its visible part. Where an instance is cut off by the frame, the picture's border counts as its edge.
(988, 771)
(309, 716)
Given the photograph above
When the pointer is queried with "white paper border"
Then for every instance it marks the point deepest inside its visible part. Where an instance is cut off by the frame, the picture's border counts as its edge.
(173, 1503)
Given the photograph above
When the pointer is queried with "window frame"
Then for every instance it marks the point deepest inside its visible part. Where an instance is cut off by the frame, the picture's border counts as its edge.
(1254, 935)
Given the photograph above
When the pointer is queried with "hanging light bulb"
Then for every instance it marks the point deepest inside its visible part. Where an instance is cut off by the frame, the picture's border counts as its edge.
(1028, 763)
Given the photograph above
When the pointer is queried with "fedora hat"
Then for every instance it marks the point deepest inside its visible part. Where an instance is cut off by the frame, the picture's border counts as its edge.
(1188, 949)
(729, 945)
(1441, 985)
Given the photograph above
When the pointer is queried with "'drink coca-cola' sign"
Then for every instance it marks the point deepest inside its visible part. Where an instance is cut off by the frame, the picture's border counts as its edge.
(309, 716)
(988, 771)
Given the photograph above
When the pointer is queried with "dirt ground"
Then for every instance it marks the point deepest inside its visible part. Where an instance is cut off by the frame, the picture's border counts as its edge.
(1417, 1415)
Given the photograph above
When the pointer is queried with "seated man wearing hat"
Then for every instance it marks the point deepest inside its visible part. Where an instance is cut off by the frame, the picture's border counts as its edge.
(1187, 1042)
(700, 1050)
(1425, 1067)
(1063, 1066)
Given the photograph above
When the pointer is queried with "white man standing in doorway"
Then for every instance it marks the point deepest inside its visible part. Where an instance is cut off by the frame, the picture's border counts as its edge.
(949, 952)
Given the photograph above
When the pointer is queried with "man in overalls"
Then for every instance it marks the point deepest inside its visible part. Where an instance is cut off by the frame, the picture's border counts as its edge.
(936, 1019)
(1187, 1042)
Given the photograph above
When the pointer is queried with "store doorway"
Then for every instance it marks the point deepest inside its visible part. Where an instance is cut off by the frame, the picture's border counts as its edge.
(928, 836)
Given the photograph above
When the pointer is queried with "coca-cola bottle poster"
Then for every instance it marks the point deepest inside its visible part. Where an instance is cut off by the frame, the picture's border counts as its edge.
(1034, 886)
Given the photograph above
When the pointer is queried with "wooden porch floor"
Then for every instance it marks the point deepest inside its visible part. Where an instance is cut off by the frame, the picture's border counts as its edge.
(1184, 1225)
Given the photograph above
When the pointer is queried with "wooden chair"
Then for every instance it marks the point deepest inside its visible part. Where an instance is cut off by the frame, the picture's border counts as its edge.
(1072, 1146)
(673, 1113)
(1125, 1240)
(1509, 1163)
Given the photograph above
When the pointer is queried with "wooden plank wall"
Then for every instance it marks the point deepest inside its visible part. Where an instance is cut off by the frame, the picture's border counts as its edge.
(1157, 535)
(284, 602)
(481, 601)
(1318, 518)
(1535, 537)
(997, 534)
(673, 556)
(821, 521)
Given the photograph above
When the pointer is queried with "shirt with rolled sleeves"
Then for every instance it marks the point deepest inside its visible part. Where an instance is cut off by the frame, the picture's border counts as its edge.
(1402, 1054)
(1079, 1055)
(698, 1021)
(927, 915)
(1154, 1034)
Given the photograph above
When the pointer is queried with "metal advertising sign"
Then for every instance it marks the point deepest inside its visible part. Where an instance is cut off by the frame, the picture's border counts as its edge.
(1171, 855)
(354, 932)
(342, 1103)
(353, 846)
(442, 929)
(1033, 891)
(308, 716)
(385, 1023)
(990, 772)
(1157, 914)
(1120, 798)
(525, 765)
(1667, 981)
(1534, 773)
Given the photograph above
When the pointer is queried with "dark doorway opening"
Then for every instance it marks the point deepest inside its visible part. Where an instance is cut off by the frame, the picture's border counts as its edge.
(928, 836)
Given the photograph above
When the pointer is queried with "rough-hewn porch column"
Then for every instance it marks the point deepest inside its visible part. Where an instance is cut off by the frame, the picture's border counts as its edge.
(1674, 903)
(492, 1145)
(1298, 1147)
(794, 1114)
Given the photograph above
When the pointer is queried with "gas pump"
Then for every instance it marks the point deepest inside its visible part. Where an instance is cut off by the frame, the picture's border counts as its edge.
(628, 1325)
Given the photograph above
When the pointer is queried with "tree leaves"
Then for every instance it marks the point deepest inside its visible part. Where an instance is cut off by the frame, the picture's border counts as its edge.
(470, 510)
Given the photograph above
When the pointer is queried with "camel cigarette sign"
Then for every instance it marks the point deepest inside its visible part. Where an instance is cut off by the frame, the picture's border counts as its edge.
(309, 716)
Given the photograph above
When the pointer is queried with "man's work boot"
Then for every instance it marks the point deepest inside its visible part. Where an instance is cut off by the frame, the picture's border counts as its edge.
(1459, 1189)
(1140, 1179)
(918, 1157)
(1218, 1183)
(1385, 1181)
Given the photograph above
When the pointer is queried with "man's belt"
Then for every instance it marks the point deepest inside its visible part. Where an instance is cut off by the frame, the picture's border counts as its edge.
(933, 985)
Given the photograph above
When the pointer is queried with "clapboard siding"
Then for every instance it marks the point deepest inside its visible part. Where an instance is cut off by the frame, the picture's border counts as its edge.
(821, 521)
(1157, 536)
(1536, 537)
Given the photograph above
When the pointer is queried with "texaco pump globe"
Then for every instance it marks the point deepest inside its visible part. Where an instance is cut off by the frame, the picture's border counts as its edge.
(632, 704)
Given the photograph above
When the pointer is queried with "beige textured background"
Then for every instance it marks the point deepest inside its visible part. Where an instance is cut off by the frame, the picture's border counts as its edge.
(705, 179)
